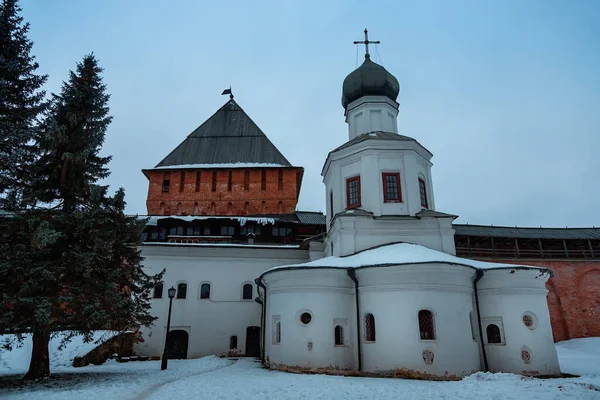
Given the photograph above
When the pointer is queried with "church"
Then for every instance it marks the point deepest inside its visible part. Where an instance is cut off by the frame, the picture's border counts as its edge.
(375, 286)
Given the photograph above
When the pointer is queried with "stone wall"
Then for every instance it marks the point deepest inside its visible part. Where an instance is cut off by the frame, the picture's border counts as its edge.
(236, 191)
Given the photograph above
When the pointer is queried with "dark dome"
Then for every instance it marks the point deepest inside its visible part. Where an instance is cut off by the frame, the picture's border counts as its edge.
(369, 79)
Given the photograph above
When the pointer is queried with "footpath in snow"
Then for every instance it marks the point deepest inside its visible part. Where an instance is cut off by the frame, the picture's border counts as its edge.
(215, 378)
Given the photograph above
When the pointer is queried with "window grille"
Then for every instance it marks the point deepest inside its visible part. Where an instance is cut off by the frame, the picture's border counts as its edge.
(369, 328)
(493, 334)
(339, 335)
(426, 327)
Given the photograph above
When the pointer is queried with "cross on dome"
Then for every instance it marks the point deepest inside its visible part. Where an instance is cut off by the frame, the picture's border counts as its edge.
(366, 43)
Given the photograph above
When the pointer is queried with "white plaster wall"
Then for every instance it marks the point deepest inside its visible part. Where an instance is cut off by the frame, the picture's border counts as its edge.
(350, 234)
(370, 114)
(211, 322)
(508, 294)
(369, 159)
(394, 295)
(328, 295)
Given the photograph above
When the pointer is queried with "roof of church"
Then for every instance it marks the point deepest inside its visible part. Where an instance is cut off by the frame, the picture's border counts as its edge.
(228, 137)
(527, 233)
(397, 254)
(377, 135)
(370, 79)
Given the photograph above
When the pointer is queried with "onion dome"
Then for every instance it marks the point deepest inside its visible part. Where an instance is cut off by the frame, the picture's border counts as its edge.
(370, 79)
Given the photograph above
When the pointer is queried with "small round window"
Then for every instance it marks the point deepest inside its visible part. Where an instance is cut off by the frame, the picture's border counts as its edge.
(529, 320)
(305, 318)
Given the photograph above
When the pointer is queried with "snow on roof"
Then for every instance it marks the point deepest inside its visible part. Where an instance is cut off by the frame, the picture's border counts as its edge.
(396, 254)
(223, 165)
(152, 221)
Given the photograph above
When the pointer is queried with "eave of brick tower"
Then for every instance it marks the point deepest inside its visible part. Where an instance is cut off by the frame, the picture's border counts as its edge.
(226, 166)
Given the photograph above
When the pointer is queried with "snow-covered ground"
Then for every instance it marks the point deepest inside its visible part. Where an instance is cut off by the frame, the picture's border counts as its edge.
(17, 360)
(215, 378)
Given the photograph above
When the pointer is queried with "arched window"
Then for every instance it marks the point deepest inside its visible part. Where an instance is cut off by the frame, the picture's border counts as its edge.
(205, 291)
(369, 328)
(182, 290)
(339, 335)
(158, 290)
(247, 291)
(426, 326)
(493, 334)
(233, 342)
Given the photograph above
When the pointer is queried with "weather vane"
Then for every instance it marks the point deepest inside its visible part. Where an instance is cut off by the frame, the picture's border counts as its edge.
(366, 43)
(228, 91)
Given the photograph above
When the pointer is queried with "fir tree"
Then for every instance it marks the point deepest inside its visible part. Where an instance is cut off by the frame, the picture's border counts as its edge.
(73, 266)
(21, 101)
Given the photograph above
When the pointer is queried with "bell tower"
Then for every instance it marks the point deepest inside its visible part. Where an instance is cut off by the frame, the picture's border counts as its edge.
(378, 184)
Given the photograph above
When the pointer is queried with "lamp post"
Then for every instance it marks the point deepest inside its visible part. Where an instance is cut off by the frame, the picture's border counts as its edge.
(163, 361)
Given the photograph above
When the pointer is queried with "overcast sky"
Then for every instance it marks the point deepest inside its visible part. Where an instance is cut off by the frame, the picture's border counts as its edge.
(505, 94)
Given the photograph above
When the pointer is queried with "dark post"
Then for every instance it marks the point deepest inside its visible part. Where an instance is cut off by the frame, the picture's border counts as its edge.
(163, 360)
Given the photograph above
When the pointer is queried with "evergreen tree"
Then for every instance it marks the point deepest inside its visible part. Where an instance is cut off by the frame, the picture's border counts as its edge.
(21, 101)
(75, 265)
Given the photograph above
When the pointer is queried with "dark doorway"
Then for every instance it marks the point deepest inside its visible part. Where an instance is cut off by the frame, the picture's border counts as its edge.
(252, 341)
(177, 344)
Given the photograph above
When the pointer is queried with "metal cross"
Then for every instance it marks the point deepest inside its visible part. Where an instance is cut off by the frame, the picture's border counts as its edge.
(366, 43)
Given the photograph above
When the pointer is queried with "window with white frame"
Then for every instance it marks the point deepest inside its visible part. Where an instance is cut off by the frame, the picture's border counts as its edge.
(493, 331)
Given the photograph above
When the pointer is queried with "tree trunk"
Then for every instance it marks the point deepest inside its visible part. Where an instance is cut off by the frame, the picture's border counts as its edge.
(39, 367)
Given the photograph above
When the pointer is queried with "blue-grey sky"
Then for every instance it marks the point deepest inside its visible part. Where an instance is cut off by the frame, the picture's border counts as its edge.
(505, 94)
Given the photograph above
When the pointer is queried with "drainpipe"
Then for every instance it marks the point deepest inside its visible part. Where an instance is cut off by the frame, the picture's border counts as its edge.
(263, 317)
(352, 275)
(478, 277)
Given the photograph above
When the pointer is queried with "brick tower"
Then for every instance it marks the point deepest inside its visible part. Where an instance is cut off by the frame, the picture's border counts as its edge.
(227, 166)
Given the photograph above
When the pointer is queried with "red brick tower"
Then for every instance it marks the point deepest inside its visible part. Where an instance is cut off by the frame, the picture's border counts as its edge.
(227, 166)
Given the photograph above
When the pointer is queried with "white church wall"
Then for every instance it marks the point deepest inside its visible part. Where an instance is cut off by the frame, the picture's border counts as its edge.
(394, 295)
(370, 114)
(505, 296)
(369, 159)
(327, 295)
(355, 233)
(209, 322)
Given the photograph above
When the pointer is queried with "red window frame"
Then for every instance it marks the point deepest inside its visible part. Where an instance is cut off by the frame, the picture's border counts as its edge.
(358, 201)
(386, 199)
(423, 193)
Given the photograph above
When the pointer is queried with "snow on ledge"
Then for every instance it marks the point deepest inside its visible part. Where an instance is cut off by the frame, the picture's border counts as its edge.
(152, 221)
(397, 253)
(238, 245)
(223, 165)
